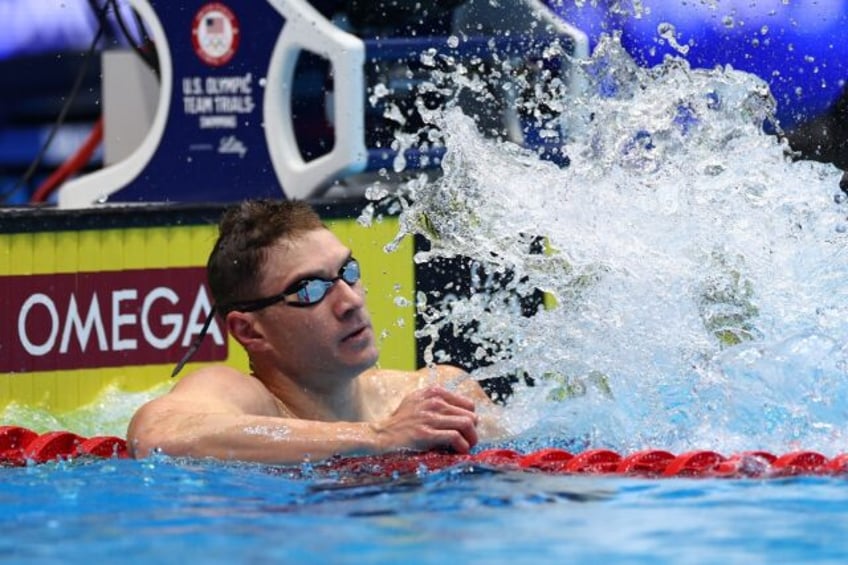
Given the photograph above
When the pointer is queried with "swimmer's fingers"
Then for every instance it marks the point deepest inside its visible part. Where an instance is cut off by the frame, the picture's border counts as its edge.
(429, 418)
(457, 432)
(451, 424)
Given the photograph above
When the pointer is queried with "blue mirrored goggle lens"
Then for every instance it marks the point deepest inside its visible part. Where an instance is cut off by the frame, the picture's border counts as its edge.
(312, 291)
(350, 272)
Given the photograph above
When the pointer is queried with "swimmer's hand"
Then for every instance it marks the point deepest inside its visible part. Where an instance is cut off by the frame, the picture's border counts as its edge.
(427, 419)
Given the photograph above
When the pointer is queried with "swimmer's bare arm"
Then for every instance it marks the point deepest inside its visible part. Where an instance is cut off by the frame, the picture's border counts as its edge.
(210, 414)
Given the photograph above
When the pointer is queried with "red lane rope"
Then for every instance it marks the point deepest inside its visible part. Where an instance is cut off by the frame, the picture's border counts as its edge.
(649, 463)
(20, 446)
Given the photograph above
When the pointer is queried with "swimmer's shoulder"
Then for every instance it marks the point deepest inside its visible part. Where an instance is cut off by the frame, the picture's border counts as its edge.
(214, 377)
(225, 386)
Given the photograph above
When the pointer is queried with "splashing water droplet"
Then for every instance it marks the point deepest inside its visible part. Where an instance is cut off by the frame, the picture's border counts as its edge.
(668, 32)
(428, 57)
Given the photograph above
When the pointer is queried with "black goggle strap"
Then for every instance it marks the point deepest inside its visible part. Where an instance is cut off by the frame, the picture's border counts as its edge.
(195, 345)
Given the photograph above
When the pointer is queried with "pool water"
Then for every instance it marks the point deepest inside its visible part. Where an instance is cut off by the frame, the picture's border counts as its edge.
(165, 510)
(701, 301)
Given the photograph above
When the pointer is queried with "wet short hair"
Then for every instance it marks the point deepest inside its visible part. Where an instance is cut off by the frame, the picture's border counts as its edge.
(246, 231)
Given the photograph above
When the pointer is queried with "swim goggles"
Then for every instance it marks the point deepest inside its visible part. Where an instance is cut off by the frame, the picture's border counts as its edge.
(303, 293)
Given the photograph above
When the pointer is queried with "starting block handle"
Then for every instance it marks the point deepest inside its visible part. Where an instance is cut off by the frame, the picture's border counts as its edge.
(96, 187)
(307, 29)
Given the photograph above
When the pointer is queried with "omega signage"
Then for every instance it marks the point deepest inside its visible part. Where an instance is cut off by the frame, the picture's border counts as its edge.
(105, 319)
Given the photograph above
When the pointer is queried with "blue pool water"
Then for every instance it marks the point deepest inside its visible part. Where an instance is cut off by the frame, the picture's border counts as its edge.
(702, 293)
(171, 511)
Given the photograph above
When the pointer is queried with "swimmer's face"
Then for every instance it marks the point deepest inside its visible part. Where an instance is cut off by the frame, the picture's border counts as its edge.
(332, 337)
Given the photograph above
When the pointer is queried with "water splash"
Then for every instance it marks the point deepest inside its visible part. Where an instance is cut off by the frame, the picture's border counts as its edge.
(698, 272)
(107, 414)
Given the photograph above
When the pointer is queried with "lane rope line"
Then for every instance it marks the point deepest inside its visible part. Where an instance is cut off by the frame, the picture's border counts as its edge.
(20, 446)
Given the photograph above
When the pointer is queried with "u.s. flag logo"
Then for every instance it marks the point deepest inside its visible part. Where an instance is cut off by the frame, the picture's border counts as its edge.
(215, 34)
